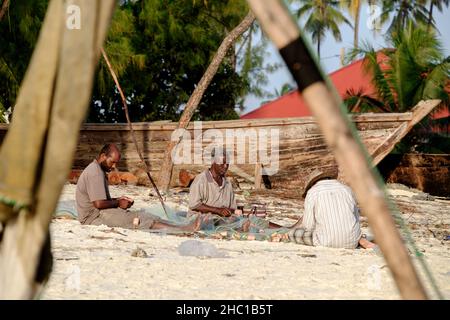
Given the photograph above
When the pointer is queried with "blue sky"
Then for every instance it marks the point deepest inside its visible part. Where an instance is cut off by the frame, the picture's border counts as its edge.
(330, 50)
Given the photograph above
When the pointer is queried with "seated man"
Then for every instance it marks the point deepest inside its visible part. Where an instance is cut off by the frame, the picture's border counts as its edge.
(211, 193)
(331, 216)
(95, 205)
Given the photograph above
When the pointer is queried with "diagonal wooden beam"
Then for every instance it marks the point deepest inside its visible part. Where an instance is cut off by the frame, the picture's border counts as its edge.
(339, 134)
(422, 109)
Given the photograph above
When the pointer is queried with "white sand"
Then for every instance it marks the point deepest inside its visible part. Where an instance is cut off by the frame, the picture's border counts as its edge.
(92, 263)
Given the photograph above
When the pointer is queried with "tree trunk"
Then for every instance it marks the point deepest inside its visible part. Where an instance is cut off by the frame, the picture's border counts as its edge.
(351, 158)
(318, 48)
(430, 16)
(167, 166)
(356, 34)
(404, 10)
(4, 8)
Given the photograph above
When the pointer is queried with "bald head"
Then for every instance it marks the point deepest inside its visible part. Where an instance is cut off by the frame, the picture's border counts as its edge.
(219, 161)
(108, 148)
(109, 157)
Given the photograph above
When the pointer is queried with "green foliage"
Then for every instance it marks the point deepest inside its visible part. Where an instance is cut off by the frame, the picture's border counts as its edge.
(322, 16)
(19, 30)
(159, 50)
(404, 11)
(412, 69)
(252, 62)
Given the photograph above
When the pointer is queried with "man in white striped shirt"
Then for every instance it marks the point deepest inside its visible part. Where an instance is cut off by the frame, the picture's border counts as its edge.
(331, 216)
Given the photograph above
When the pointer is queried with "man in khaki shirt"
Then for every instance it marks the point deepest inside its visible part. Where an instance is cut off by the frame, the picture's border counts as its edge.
(212, 194)
(95, 205)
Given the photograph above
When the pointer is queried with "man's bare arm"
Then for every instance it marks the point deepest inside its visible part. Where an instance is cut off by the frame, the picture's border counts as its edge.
(223, 212)
(113, 203)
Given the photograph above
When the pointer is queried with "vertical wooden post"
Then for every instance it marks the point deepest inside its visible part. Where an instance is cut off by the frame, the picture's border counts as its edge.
(258, 176)
(325, 105)
(37, 153)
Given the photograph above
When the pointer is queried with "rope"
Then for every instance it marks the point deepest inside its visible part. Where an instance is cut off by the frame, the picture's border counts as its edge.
(16, 206)
(125, 108)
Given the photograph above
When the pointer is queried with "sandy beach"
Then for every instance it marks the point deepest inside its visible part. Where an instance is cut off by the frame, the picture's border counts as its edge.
(93, 262)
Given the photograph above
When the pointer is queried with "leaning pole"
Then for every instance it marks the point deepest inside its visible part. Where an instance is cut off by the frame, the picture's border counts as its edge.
(350, 155)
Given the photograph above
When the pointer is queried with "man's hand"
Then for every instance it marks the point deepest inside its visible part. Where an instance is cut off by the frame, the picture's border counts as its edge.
(131, 201)
(224, 212)
(125, 202)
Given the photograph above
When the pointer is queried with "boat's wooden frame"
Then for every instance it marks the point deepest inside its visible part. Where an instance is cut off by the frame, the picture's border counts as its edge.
(301, 146)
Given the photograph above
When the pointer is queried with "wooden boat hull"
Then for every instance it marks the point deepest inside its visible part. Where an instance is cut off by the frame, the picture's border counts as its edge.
(301, 147)
(427, 172)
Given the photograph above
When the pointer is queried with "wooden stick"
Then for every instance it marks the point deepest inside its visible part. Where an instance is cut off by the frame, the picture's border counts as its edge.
(5, 7)
(125, 108)
(167, 166)
(258, 177)
(350, 155)
(418, 113)
(37, 153)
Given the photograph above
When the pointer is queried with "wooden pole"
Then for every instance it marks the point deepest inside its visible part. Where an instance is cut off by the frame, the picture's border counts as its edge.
(258, 176)
(37, 153)
(167, 165)
(127, 115)
(349, 153)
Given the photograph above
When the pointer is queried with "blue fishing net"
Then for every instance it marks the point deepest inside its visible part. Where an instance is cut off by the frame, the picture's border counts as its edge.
(212, 226)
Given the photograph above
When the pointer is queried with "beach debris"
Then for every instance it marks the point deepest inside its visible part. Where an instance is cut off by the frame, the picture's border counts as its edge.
(128, 178)
(139, 253)
(200, 249)
(74, 175)
(116, 177)
(423, 196)
(186, 177)
(66, 256)
(229, 275)
(106, 238)
(141, 175)
(307, 255)
(112, 230)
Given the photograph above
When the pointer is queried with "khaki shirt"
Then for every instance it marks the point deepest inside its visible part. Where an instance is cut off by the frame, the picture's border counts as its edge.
(92, 186)
(205, 190)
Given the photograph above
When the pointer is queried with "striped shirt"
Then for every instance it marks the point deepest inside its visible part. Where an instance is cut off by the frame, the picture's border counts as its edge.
(332, 215)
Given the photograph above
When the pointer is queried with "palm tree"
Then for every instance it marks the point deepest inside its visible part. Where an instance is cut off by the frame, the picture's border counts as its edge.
(439, 4)
(323, 16)
(285, 88)
(404, 11)
(354, 8)
(413, 69)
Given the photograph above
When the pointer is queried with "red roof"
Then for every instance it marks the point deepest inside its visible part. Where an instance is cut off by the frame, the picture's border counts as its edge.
(350, 77)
